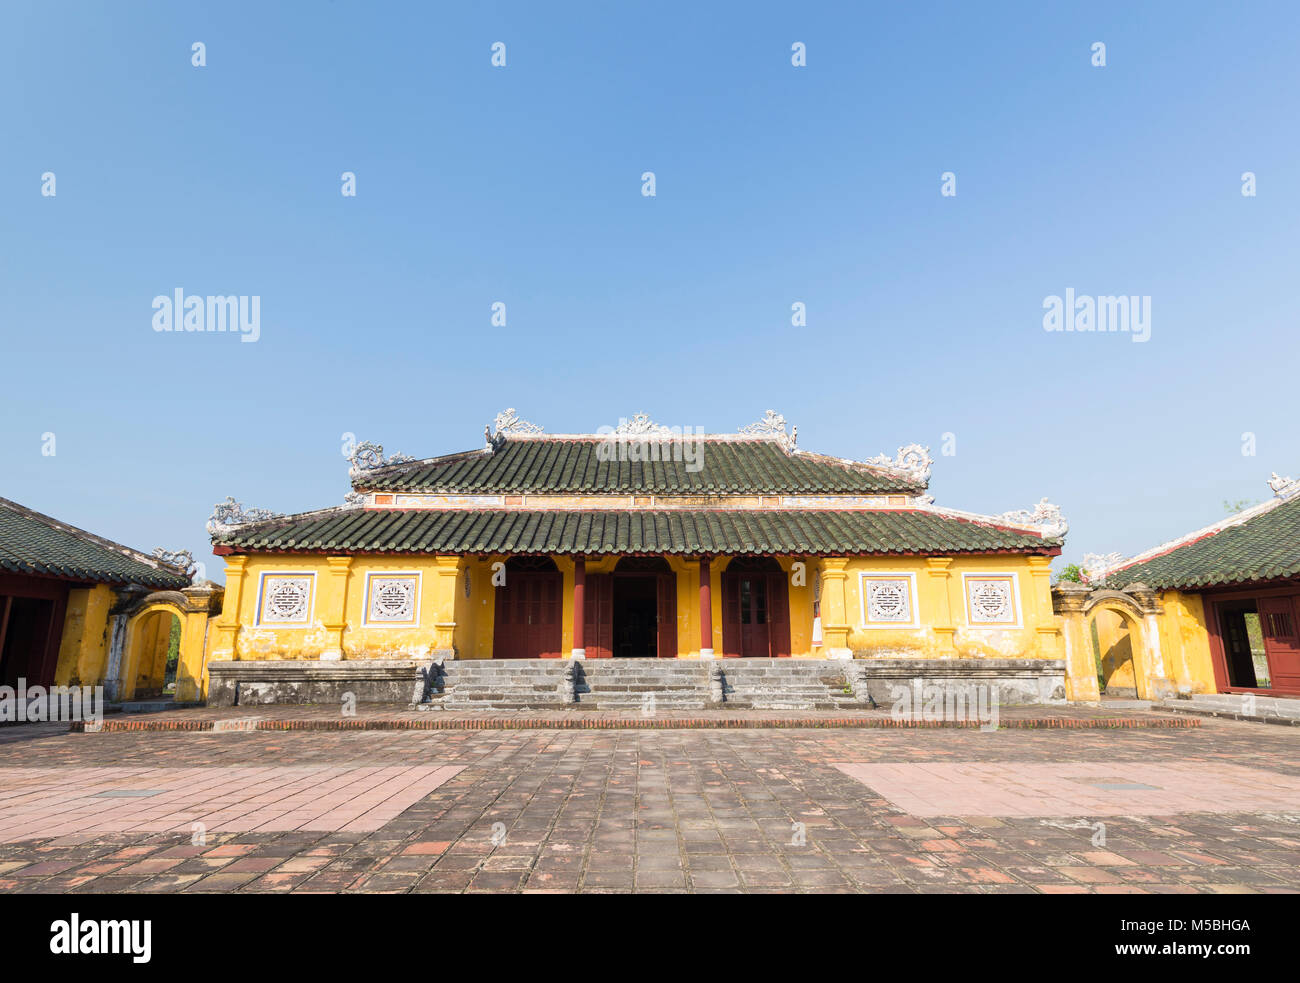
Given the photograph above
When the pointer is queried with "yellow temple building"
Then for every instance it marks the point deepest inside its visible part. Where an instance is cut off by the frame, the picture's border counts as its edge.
(637, 542)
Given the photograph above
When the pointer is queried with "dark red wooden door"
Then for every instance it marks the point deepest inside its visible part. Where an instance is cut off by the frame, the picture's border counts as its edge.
(667, 616)
(755, 615)
(778, 613)
(598, 606)
(528, 614)
(1277, 617)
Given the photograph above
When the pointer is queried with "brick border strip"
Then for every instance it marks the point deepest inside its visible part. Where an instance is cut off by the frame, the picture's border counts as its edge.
(634, 723)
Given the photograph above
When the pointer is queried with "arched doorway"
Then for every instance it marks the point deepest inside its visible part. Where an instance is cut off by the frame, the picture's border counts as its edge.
(1113, 641)
(755, 609)
(153, 652)
(529, 610)
(1115, 625)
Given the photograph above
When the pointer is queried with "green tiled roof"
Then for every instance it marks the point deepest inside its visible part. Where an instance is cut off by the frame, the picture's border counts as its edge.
(812, 532)
(32, 543)
(1263, 547)
(572, 466)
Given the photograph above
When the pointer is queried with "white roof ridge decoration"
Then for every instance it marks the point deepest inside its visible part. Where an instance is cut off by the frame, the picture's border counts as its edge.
(1051, 525)
(509, 424)
(772, 427)
(1284, 489)
(229, 515)
(1096, 566)
(180, 559)
(640, 425)
(1044, 516)
(369, 456)
(1282, 486)
(912, 459)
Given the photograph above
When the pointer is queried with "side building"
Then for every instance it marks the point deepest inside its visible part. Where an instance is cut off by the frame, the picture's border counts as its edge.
(77, 609)
(1223, 602)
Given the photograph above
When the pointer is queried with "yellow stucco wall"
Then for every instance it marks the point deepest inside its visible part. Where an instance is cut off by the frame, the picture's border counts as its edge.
(447, 616)
(83, 650)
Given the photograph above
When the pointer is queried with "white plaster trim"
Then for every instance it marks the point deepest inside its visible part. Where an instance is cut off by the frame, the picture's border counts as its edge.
(988, 520)
(966, 577)
(578, 654)
(706, 653)
(863, 577)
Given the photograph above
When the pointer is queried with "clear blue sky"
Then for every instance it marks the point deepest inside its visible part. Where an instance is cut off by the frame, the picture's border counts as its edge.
(522, 184)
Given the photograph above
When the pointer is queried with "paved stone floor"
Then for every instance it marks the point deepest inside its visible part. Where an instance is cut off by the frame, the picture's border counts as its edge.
(1210, 809)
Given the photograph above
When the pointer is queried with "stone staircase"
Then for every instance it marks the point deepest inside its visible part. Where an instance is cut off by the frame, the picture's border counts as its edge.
(639, 684)
(786, 684)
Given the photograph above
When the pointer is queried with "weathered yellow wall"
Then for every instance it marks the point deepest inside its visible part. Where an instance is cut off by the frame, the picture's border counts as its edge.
(83, 652)
(337, 620)
(1185, 642)
(944, 630)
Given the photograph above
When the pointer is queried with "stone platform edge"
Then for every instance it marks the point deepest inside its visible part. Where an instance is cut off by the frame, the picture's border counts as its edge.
(597, 722)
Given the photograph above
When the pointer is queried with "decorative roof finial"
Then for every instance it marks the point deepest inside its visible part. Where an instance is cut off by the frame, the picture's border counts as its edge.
(367, 456)
(913, 460)
(180, 559)
(508, 424)
(1283, 487)
(772, 427)
(229, 514)
(1045, 517)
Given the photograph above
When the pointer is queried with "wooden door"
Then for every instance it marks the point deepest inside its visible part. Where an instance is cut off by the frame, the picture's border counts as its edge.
(754, 639)
(528, 615)
(778, 612)
(598, 611)
(1277, 618)
(667, 616)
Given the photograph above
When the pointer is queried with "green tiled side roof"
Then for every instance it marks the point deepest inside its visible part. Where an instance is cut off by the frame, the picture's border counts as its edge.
(819, 532)
(569, 466)
(33, 543)
(1263, 547)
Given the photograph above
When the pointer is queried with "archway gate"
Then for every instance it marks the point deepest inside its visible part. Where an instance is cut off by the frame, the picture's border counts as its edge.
(130, 624)
(1137, 608)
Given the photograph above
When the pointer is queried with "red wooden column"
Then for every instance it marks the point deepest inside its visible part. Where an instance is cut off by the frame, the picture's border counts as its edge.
(579, 607)
(706, 610)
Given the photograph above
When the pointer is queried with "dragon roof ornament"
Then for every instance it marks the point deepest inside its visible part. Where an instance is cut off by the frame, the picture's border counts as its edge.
(914, 460)
(180, 559)
(1045, 517)
(1097, 565)
(640, 425)
(509, 424)
(1282, 486)
(228, 515)
(368, 455)
(772, 426)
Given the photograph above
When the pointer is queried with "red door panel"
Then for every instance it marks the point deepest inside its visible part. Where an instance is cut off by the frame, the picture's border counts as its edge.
(730, 617)
(528, 614)
(1281, 628)
(778, 610)
(667, 616)
(599, 616)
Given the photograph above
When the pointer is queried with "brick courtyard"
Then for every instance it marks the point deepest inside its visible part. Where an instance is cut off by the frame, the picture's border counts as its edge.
(1214, 808)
